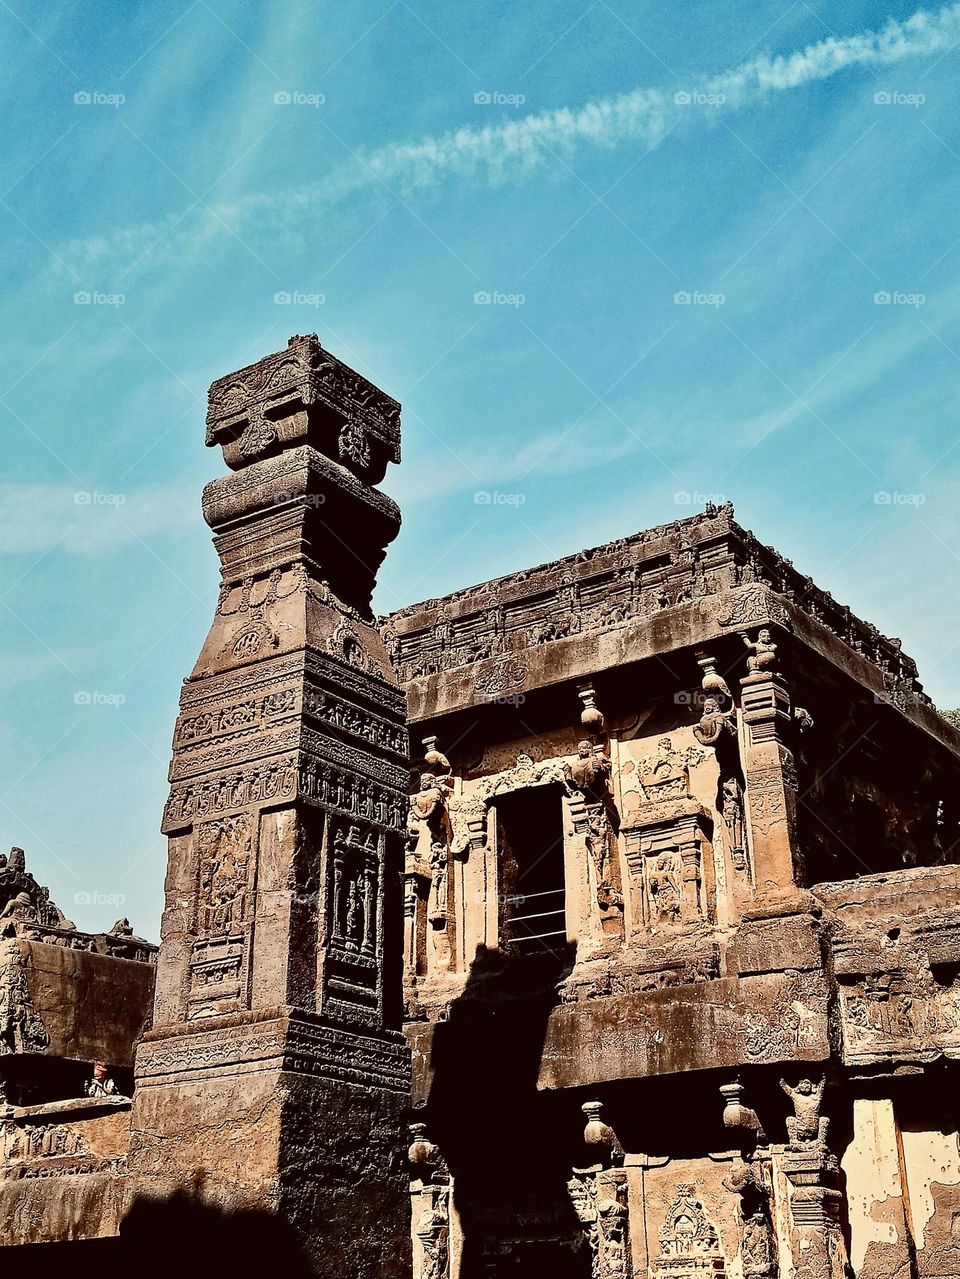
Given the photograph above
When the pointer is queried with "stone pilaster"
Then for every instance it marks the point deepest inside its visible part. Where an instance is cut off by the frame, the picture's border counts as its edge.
(771, 782)
(275, 1075)
(816, 1241)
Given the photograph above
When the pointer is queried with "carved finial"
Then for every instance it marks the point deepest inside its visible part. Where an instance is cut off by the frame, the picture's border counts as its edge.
(737, 1115)
(712, 682)
(17, 859)
(436, 761)
(599, 1136)
(591, 716)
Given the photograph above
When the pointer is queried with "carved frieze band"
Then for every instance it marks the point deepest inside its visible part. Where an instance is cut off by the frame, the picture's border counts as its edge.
(286, 779)
(614, 585)
(252, 717)
(320, 1051)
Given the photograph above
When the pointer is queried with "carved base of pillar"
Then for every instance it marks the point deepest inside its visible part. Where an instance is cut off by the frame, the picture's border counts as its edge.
(281, 1116)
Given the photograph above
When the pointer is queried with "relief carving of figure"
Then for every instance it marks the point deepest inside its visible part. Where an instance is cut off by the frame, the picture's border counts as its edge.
(428, 829)
(665, 776)
(762, 650)
(428, 822)
(439, 870)
(434, 1232)
(689, 1241)
(732, 810)
(613, 1218)
(806, 1123)
(225, 852)
(589, 774)
(354, 919)
(714, 722)
(757, 1248)
(663, 883)
(588, 778)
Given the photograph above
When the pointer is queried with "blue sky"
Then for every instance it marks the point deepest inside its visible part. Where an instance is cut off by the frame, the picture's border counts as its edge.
(181, 165)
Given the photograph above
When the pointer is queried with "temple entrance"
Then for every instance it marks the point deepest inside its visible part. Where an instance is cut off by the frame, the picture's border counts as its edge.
(532, 884)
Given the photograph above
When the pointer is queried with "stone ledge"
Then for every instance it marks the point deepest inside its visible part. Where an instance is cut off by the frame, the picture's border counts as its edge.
(71, 1107)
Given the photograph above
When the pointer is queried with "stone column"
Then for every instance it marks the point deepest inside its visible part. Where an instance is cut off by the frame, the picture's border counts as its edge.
(816, 1242)
(880, 1236)
(613, 1225)
(771, 782)
(275, 1075)
(431, 1209)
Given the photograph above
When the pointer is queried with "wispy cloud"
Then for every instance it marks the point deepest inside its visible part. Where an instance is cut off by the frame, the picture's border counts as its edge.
(510, 151)
(647, 115)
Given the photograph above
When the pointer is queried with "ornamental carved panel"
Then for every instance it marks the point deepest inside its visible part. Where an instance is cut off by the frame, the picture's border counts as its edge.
(225, 848)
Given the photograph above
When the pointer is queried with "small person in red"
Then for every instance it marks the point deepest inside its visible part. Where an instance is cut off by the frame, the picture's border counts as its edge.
(101, 1085)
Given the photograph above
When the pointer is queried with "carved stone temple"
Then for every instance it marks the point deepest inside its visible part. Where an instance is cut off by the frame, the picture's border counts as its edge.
(600, 921)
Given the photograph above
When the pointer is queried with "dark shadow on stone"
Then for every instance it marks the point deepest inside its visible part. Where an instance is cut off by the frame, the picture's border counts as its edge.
(175, 1238)
(181, 1238)
(509, 1147)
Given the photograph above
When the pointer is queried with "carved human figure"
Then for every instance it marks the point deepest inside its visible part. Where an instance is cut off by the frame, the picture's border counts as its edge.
(589, 774)
(433, 1232)
(763, 652)
(428, 821)
(732, 808)
(101, 1085)
(18, 910)
(613, 1219)
(354, 914)
(806, 1123)
(428, 828)
(664, 886)
(758, 1256)
(439, 867)
(714, 722)
(756, 1247)
(588, 778)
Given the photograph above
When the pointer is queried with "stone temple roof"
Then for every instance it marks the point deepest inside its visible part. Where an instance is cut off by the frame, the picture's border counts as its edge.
(607, 586)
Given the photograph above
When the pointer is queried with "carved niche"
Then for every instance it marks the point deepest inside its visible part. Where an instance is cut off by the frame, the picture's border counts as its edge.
(689, 1243)
(224, 847)
(352, 966)
(666, 832)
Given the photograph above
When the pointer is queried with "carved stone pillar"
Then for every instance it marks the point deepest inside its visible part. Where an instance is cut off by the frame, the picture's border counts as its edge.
(430, 1208)
(416, 888)
(275, 1062)
(599, 1197)
(613, 1225)
(771, 782)
(816, 1241)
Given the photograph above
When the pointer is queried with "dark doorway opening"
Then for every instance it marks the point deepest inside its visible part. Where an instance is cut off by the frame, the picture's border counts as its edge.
(532, 884)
